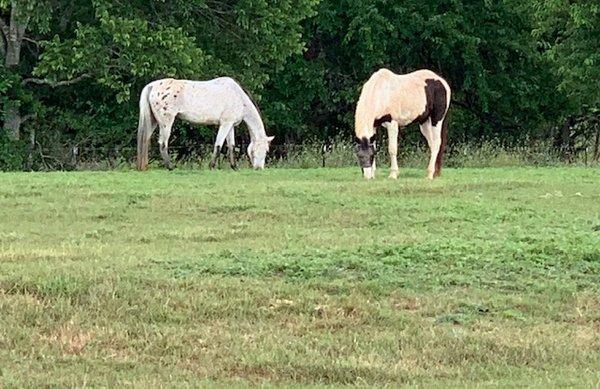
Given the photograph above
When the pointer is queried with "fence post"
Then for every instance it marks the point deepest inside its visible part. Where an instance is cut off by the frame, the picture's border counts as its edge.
(74, 153)
(31, 148)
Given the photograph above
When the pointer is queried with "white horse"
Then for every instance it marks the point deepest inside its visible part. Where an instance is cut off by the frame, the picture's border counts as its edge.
(394, 101)
(220, 101)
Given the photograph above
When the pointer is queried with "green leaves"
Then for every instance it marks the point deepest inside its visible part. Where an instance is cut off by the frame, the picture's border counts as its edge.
(119, 51)
(247, 41)
(515, 67)
(483, 48)
(114, 48)
(569, 35)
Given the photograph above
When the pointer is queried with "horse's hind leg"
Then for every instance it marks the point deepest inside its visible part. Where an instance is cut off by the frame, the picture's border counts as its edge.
(434, 140)
(444, 139)
(392, 128)
(231, 148)
(224, 129)
(165, 125)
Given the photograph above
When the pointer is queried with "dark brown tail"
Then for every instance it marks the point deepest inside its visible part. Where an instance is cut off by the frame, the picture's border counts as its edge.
(444, 135)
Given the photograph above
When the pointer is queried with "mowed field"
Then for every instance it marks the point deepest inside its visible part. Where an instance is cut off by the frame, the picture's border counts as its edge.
(484, 276)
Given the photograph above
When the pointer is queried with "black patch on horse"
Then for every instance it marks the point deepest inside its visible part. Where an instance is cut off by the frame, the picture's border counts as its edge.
(435, 106)
(381, 120)
(422, 118)
(436, 100)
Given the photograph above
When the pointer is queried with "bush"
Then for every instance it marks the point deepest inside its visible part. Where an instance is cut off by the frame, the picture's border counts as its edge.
(13, 154)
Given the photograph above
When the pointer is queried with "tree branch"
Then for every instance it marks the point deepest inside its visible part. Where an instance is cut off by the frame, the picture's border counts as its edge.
(31, 41)
(54, 84)
(28, 117)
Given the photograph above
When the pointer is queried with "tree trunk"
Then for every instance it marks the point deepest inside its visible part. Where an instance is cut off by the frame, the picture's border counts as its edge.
(14, 33)
(2, 45)
(12, 122)
(13, 50)
(564, 140)
(31, 149)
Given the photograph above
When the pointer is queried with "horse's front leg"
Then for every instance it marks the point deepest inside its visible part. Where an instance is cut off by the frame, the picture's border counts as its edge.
(392, 128)
(231, 148)
(224, 129)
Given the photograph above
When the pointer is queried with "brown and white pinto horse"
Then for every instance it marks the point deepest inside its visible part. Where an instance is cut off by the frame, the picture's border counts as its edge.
(394, 100)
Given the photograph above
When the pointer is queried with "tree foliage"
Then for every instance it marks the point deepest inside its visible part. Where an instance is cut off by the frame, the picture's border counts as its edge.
(502, 86)
(569, 34)
(517, 69)
(85, 62)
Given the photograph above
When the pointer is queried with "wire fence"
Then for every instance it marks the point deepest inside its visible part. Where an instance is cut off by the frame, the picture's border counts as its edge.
(68, 157)
(306, 155)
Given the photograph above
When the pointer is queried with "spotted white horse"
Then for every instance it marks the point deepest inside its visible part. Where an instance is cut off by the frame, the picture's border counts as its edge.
(394, 101)
(220, 101)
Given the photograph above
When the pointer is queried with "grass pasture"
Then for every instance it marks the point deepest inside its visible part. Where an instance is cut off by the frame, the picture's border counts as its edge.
(484, 276)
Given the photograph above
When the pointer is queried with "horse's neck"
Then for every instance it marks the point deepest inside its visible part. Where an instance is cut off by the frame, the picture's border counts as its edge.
(364, 122)
(254, 123)
(367, 108)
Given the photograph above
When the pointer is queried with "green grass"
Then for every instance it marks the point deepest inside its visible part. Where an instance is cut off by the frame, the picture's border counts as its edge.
(485, 276)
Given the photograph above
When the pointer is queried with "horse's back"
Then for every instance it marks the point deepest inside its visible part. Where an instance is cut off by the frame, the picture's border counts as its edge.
(422, 74)
(181, 84)
(384, 81)
(418, 76)
(210, 101)
(409, 82)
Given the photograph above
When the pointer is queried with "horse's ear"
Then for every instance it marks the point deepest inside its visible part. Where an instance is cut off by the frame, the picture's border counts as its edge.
(373, 141)
(363, 143)
(270, 139)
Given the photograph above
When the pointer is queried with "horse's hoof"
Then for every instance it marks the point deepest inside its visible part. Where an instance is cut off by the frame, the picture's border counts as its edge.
(393, 176)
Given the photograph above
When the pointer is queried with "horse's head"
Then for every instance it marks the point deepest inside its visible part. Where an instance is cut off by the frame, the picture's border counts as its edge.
(257, 151)
(365, 151)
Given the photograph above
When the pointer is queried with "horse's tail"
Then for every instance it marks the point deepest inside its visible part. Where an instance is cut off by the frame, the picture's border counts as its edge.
(444, 136)
(146, 126)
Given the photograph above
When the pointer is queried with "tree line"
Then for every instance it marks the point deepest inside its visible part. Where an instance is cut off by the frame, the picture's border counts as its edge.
(72, 70)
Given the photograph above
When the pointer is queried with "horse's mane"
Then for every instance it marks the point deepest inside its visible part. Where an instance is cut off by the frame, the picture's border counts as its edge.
(251, 99)
(366, 108)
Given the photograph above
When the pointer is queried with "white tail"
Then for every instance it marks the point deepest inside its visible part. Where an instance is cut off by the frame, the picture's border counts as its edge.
(146, 126)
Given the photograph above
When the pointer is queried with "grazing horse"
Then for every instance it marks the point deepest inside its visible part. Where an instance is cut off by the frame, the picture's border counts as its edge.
(220, 101)
(394, 100)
